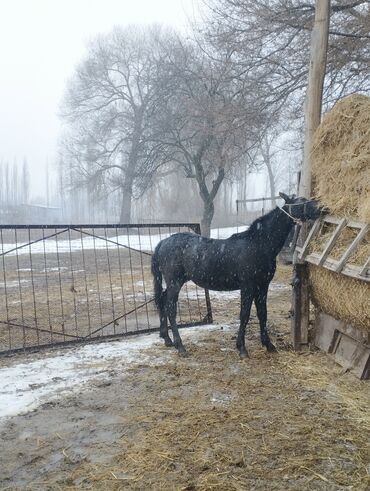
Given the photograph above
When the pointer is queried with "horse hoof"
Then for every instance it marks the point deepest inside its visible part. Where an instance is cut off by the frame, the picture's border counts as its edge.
(183, 354)
(180, 348)
(271, 348)
(168, 342)
(243, 355)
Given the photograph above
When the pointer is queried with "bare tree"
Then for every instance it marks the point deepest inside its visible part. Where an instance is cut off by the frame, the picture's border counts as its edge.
(279, 153)
(7, 181)
(108, 107)
(2, 190)
(270, 42)
(47, 184)
(206, 119)
(25, 184)
(269, 154)
(15, 184)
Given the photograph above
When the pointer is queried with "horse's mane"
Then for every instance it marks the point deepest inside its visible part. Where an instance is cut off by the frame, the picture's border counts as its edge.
(257, 226)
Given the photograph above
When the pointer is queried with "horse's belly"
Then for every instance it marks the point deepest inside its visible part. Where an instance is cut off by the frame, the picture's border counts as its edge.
(217, 284)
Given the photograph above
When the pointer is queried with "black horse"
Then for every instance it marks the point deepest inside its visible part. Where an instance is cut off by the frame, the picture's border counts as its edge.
(245, 261)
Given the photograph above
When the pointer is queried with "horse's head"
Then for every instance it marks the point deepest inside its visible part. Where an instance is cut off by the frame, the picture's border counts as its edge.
(301, 208)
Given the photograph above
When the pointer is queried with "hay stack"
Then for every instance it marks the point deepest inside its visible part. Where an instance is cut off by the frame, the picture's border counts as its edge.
(341, 159)
(341, 176)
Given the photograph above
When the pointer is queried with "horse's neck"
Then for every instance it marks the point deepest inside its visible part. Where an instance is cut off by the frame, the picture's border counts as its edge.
(277, 228)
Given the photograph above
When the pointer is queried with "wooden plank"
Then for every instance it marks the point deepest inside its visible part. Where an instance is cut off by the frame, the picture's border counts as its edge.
(353, 224)
(253, 200)
(313, 232)
(329, 246)
(344, 343)
(364, 270)
(325, 334)
(335, 221)
(351, 249)
(351, 355)
(331, 219)
(313, 258)
(331, 264)
(354, 272)
(331, 323)
(297, 230)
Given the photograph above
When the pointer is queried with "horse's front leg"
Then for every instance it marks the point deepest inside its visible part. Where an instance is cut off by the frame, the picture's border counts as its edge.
(171, 307)
(261, 307)
(246, 299)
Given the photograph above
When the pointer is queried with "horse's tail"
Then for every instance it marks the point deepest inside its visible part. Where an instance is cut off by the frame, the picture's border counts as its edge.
(159, 294)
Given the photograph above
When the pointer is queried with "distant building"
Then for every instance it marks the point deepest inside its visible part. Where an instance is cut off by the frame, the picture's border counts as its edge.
(29, 214)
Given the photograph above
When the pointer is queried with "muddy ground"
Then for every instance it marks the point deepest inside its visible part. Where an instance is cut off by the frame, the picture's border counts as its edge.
(207, 421)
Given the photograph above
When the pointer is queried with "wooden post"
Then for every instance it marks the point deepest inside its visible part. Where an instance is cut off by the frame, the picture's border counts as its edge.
(301, 307)
(313, 104)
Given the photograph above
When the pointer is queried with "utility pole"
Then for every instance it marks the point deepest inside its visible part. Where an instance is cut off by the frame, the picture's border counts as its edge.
(313, 105)
(316, 76)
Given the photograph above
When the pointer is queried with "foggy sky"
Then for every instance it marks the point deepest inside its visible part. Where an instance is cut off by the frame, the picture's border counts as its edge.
(41, 41)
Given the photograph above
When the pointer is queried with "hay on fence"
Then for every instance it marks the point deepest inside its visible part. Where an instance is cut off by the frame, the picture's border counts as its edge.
(341, 159)
(341, 175)
(342, 297)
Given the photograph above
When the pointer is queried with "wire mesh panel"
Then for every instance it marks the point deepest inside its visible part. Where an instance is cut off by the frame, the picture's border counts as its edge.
(70, 283)
(250, 209)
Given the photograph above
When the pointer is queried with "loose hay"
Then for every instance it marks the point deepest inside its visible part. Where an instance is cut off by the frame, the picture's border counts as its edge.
(273, 422)
(341, 158)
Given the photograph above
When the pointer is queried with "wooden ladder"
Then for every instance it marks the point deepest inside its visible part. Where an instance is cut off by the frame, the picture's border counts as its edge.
(323, 259)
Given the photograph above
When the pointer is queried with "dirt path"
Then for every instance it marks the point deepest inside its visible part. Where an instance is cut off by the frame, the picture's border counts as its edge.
(208, 421)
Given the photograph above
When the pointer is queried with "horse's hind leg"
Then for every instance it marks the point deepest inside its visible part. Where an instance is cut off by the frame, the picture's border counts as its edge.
(171, 306)
(163, 329)
(260, 302)
(246, 299)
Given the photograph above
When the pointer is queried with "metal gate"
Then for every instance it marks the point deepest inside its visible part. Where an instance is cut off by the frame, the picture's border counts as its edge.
(71, 283)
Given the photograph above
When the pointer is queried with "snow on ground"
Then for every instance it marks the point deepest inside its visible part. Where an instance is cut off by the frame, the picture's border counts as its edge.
(140, 242)
(191, 291)
(49, 246)
(25, 386)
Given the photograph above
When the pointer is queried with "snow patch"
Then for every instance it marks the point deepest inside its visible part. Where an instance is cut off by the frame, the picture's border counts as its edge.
(12, 283)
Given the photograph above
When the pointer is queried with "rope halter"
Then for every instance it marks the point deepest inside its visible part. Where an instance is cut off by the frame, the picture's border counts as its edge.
(289, 205)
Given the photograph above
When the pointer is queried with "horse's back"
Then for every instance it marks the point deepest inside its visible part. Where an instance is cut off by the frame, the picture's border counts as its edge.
(176, 241)
(170, 251)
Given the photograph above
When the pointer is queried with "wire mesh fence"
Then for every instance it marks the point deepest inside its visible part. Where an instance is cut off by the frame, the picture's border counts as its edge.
(248, 210)
(72, 283)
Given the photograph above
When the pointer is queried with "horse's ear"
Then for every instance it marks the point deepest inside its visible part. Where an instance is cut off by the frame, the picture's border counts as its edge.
(285, 197)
